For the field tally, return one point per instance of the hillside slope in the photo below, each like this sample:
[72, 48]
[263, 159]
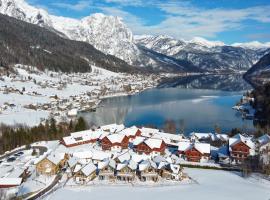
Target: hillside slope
[259, 73]
[29, 44]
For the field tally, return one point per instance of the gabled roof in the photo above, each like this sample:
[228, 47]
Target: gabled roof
[113, 128]
[88, 169]
[124, 157]
[240, 138]
[56, 158]
[138, 140]
[201, 135]
[83, 154]
[103, 164]
[129, 131]
[72, 161]
[116, 138]
[100, 155]
[146, 164]
[183, 146]
[120, 166]
[153, 143]
[132, 165]
[204, 148]
[148, 132]
[175, 168]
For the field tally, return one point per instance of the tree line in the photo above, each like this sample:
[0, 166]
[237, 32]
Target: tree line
[19, 135]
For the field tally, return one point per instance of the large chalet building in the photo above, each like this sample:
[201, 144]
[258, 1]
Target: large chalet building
[115, 142]
[240, 148]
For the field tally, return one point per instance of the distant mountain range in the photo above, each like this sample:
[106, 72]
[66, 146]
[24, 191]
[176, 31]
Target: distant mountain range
[111, 36]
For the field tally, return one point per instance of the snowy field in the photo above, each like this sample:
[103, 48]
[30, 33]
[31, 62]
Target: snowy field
[211, 184]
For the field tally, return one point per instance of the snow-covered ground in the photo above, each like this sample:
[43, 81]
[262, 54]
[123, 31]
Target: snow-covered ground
[28, 96]
[211, 184]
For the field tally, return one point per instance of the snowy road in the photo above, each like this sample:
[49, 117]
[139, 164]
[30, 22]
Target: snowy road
[212, 184]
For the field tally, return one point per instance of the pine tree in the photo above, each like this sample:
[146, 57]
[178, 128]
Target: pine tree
[81, 125]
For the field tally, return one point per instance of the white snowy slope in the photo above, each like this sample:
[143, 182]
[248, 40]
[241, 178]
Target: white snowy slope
[106, 33]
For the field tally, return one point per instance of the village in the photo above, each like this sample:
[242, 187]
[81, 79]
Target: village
[118, 155]
[27, 90]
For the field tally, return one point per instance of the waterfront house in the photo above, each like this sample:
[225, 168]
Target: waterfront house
[131, 133]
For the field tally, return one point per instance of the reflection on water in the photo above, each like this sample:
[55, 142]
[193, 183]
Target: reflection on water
[200, 109]
[232, 82]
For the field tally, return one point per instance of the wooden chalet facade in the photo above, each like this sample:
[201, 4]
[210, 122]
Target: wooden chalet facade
[193, 155]
[147, 148]
[126, 174]
[240, 151]
[51, 165]
[112, 142]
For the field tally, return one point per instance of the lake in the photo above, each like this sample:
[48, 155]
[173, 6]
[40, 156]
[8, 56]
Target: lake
[197, 103]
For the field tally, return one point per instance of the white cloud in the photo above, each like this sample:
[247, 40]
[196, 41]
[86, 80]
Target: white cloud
[79, 6]
[182, 20]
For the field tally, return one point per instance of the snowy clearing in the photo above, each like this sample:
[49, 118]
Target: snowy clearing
[212, 184]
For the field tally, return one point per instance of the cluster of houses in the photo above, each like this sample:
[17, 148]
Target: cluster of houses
[57, 91]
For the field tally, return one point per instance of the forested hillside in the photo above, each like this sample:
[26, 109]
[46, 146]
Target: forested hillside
[29, 44]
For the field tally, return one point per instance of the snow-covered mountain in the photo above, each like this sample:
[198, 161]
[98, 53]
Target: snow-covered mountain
[160, 53]
[206, 55]
[106, 33]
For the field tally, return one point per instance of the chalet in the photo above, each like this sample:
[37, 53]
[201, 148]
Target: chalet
[106, 170]
[240, 148]
[150, 146]
[148, 171]
[115, 142]
[171, 140]
[131, 133]
[51, 164]
[126, 171]
[197, 152]
[170, 171]
[82, 137]
[86, 174]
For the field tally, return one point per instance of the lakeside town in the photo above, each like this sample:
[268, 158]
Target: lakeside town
[27, 90]
[118, 155]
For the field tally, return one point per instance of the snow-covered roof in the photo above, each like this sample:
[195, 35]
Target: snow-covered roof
[263, 139]
[132, 165]
[88, 169]
[240, 138]
[103, 164]
[100, 155]
[153, 143]
[83, 154]
[204, 148]
[16, 173]
[77, 168]
[167, 137]
[148, 132]
[56, 158]
[120, 166]
[116, 138]
[11, 181]
[129, 131]
[138, 140]
[72, 161]
[138, 158]
[159, 159]
[200, 135]
[175, 168]
[146, 164]
[124, 157]
[183, 146]
[112, 128]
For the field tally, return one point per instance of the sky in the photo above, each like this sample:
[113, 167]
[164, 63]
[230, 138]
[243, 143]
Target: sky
[229, 21]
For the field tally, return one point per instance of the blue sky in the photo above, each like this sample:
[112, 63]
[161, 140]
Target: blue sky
[225, 20]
